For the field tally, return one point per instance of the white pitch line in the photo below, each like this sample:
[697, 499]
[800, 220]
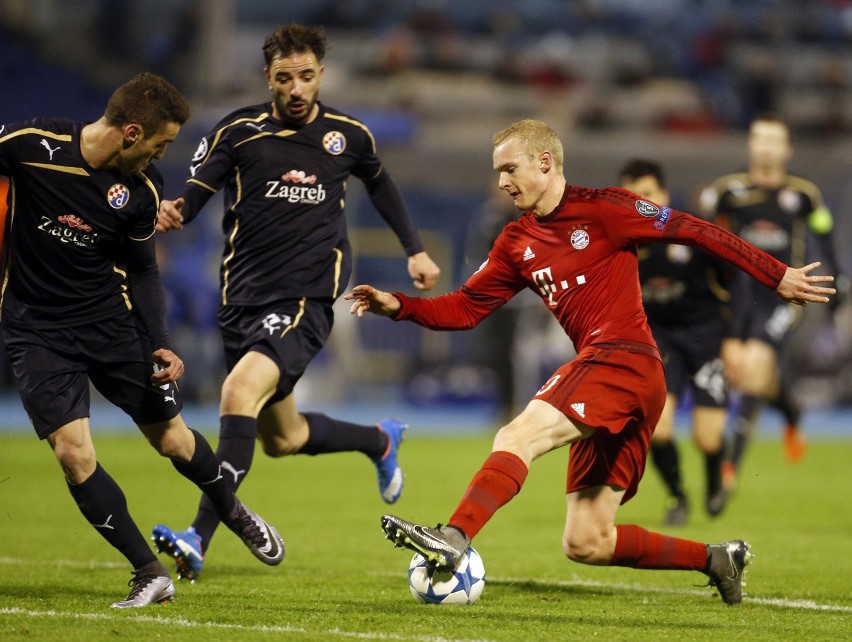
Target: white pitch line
[780, 602]
[808, 605]
[191, 624]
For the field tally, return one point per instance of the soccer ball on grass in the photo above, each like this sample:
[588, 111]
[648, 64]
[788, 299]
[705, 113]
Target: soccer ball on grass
[440, 586]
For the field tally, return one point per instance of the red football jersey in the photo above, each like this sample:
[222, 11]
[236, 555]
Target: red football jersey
[581, 260]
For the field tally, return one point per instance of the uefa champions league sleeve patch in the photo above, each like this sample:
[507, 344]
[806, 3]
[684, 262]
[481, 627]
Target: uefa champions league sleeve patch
[118, 195]
[662, 218]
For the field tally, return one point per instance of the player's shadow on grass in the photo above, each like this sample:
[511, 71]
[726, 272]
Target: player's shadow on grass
[47, 596]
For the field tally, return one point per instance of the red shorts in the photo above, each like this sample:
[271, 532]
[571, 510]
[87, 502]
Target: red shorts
[619, 389]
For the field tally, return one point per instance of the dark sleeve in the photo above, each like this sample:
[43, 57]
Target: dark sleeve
[146, 291]
[388, 201]
[195, 196]
[211, 166]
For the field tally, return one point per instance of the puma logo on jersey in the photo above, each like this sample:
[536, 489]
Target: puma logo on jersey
[258, 127]
[236, 473]
[49, 149]
[105, 524]
[171, 398]
[580, 409]
[528, 254]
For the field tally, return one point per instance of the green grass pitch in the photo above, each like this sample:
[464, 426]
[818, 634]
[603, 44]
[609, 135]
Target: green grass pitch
[342, 581]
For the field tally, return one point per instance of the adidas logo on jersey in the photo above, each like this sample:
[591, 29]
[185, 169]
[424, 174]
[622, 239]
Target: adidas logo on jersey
[528, 254]
[580, 409]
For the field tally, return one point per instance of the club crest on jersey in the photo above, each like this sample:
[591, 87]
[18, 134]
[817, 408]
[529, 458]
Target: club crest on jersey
[118, 195]
[647, 209]
[789, 200]
[334, 142]
[579, 239]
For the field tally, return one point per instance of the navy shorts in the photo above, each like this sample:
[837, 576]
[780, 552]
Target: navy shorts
[759, 314]
[691, 357]
[290, 332]
[771, 324]
[53, 368]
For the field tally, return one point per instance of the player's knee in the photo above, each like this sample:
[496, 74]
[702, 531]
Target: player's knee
[707, 443]
[580, 548]
[277, 446]
[586, 546]
[172, 446]
[241, 397]
[76, 462]
[510, 437]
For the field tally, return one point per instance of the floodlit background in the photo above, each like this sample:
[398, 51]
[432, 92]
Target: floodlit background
[674, 80]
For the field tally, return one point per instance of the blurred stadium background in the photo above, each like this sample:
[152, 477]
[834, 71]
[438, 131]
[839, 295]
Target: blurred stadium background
[675, 80]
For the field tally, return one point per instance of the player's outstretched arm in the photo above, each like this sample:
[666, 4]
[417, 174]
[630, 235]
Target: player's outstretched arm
[799, 288]
[169, 217]
[423, 270]
[366, 298]
[171, 367]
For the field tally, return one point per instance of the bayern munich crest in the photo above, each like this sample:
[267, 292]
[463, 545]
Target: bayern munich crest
[334, 142]
[118, 195]
[579, 239]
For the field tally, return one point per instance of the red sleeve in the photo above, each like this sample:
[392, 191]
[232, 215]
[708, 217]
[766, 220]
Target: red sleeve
[629, 219]
[494, 283]
[459, 310]
[691, 230]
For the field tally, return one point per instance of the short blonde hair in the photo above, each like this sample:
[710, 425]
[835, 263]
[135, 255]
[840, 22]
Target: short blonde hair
[535, 137]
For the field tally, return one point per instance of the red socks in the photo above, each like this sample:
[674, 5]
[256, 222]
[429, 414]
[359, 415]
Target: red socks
[498, 481]
[639, 548]
[502, 476]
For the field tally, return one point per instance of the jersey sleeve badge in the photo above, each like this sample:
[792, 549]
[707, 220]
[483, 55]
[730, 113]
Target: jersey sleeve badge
[647, 209]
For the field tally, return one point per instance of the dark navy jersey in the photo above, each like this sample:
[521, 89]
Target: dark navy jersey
[779, 221]
[284, 191]
[774, 220]
[68, 227]
[681, 285]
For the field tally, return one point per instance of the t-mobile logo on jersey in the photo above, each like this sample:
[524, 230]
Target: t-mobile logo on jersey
[547, 285]
[297, 187]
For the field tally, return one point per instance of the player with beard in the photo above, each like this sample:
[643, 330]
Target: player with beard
[82, 302]
[576, 248]
[779, 213]
[283, 166]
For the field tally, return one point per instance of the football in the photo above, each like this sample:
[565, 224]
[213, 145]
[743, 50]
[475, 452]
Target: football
[440, 586]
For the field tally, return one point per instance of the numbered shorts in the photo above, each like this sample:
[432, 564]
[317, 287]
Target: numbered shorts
[289, 332]
[691, 358]
[771, 324]
[619, 389]
[759, 314]
[53, 369]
